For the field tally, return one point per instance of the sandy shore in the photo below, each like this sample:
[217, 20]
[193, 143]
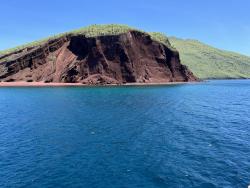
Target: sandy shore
[42, 84]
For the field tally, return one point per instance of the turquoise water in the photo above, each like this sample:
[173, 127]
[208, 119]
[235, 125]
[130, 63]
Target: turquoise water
[194, 135]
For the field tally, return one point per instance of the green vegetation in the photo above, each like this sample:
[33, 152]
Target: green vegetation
[205, 61]
[92, 31]
[209, 62]
[161, 38]
[102, 30]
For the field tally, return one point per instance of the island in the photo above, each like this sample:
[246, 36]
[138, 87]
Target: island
[96, 55]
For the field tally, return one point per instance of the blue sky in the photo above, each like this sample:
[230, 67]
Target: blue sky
[222, 23]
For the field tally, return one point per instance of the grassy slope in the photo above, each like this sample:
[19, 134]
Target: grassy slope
[208, 62]
[205, 61]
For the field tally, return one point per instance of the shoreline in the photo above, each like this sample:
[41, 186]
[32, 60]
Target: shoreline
[42, 84]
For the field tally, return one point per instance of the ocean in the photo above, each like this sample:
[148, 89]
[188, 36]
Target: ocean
[188, 135]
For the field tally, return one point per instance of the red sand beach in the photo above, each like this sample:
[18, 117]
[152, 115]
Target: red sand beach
[42, 84]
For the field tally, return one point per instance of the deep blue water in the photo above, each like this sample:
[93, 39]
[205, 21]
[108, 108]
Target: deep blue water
[194, 135]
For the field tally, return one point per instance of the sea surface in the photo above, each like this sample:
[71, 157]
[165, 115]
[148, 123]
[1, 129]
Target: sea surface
[190, 135]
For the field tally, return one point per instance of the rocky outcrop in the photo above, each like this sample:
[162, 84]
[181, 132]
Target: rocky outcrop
[132, 57]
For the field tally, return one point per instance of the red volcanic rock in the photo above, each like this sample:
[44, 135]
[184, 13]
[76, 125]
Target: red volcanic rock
[132, 57]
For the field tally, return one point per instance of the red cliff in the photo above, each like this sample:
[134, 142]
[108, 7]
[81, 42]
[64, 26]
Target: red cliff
[132, 57]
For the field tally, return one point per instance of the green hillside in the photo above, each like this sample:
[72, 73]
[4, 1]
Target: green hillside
[209, 62]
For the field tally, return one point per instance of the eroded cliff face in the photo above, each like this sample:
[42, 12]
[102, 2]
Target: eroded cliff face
[132, 57]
